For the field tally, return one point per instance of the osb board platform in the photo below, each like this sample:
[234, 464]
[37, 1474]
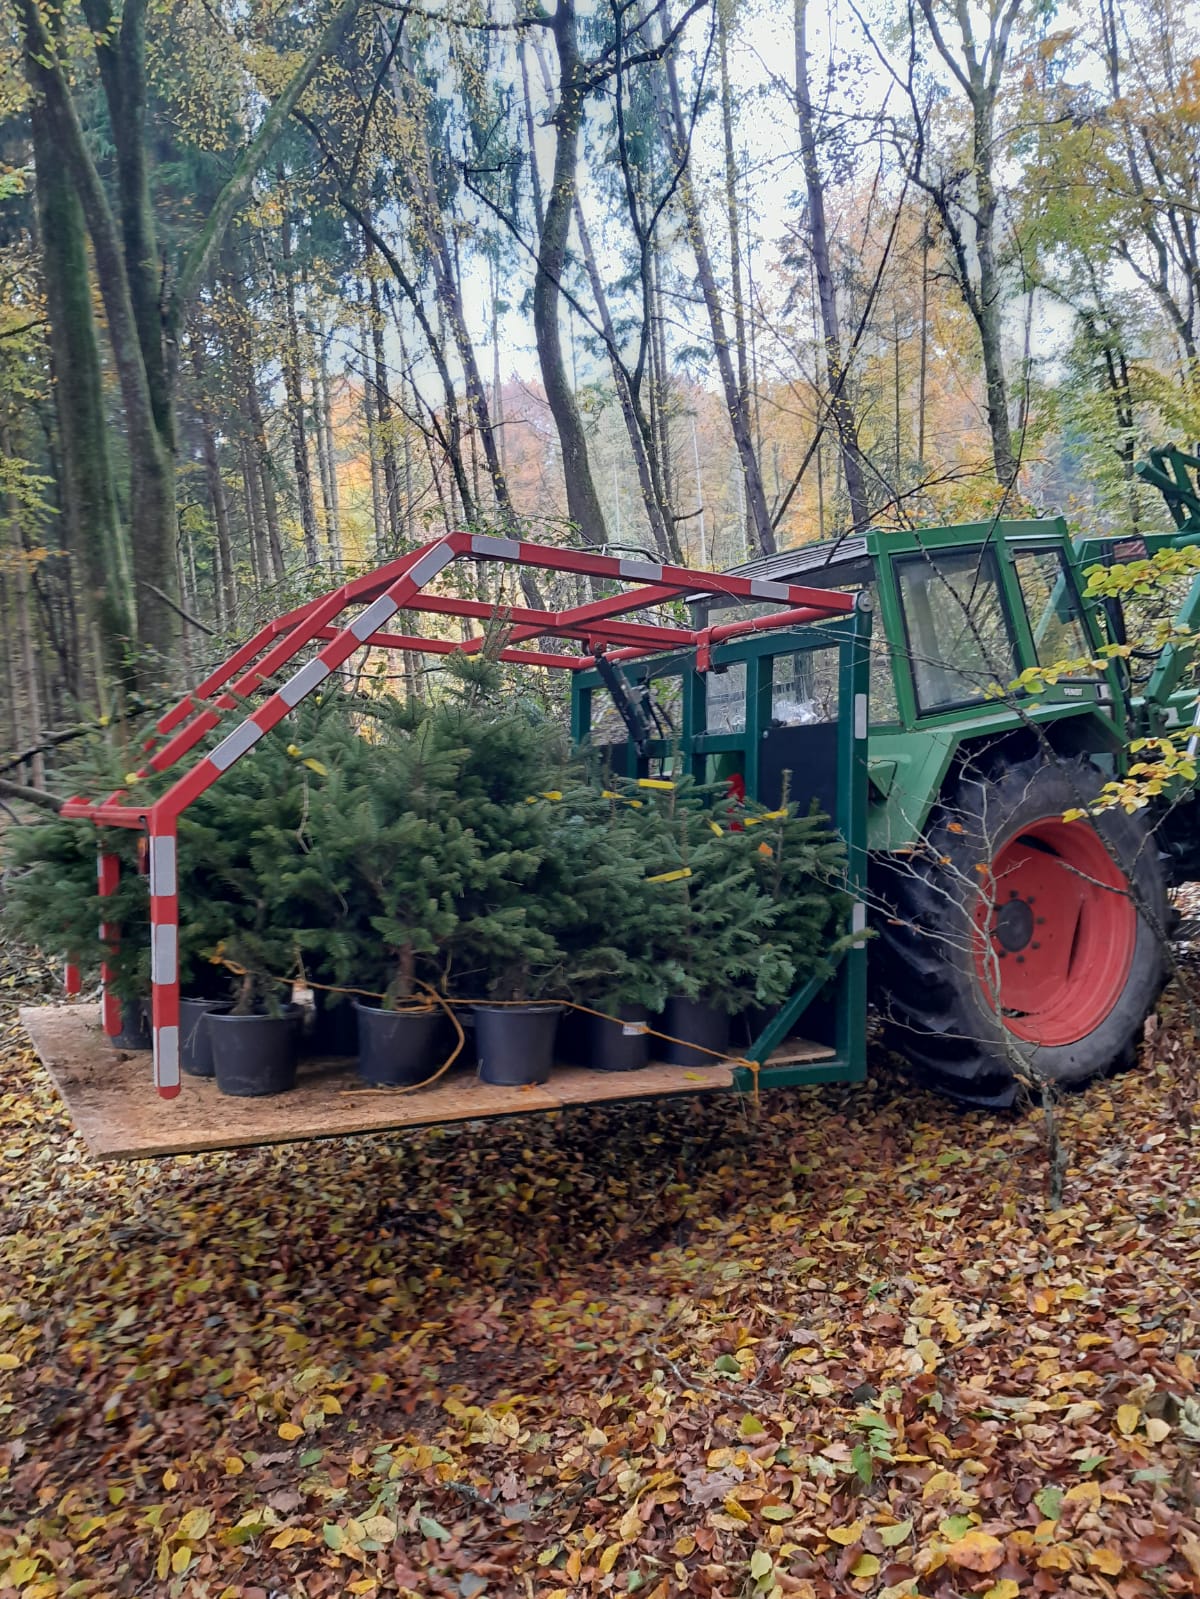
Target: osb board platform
[110, 1095]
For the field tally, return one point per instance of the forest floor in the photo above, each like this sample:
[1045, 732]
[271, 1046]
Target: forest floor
[845, 1348]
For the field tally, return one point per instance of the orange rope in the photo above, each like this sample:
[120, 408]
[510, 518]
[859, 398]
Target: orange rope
[448, 1004]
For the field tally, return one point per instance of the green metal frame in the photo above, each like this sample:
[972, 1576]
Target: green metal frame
[693, 747]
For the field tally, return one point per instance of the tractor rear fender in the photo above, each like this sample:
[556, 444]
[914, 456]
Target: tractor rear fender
[908, 771]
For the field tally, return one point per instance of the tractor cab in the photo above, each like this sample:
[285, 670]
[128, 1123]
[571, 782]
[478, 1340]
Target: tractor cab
[960, 613]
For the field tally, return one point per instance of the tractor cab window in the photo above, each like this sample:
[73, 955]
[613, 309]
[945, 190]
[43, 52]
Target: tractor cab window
[959, 639]
[1052, 606]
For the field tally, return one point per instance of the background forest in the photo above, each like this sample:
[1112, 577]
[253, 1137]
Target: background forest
[288, 290]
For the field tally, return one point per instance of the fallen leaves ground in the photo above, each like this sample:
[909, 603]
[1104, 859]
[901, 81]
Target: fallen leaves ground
[843, 1350]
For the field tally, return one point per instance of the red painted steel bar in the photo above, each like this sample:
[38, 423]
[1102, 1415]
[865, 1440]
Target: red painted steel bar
[443, 646]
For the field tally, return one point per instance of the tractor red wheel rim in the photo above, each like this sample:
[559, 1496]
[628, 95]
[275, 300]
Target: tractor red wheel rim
[1055, 930]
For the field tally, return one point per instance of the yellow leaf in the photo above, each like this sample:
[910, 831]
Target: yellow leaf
[363, 1585]
[195, 1524]
[865, 1566]
[162, 1567]
[289, 1536]
[289, 1432]
[1056, 1559]
[847, 1535]
[1006, 1588]
[235, 1465]
[1157, 1429]
[9, 1362]
[1128, 1417]
[976, 1551]
[21, 1571]
[381, 1528]
[181, 1559]
[609, 1558]
[1106, 1560]
[631, 1525]
[942, 1482]
[896, 1534]
[331, 1405]
[732, 1508]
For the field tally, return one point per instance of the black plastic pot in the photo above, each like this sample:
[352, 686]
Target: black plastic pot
[617, 1046]
[334, 1028]
[135, 1026]
[195, 1046]
[254, 1055]
[696, 1023]
[515, 1042]
[397, 1048]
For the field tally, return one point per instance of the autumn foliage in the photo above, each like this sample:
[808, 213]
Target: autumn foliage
[838, 1347]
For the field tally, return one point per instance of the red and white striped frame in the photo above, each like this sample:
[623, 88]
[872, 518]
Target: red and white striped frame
[164, 958]
[391, 588]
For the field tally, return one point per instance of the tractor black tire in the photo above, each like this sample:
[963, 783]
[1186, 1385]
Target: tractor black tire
[941, 936]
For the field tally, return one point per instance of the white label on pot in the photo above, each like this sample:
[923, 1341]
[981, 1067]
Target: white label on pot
[632, 1029]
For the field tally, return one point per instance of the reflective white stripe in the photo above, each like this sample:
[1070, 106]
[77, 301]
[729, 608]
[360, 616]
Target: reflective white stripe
[162, 866]
[304, 681]
[430, 564]
[860, 716]
[164, 947]
[646, 571]
[374, 616]
[768, 591]
[235, 746]
[858, 917]
[166, 1057]
[498, 549]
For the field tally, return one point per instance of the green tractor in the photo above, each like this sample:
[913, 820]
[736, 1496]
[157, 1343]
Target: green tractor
[1010, 943]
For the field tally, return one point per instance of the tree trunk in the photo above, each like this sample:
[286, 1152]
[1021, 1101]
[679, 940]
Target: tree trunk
[91, 524]
[374, 455]
[294, 390]
[835, 372]
[731, 208]
[979, 75]
[583, 502]
[25, 686]
[256, 542]
[383, 422]
[422, 190]
[739, 418]
[333, 509]
[216, 488]
[637, 425]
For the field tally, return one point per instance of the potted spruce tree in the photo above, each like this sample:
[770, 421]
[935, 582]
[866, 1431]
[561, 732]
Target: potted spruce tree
[51, 899]
[615, 919]
[393, 845]
[505, 950]
[717, 956]
[248, 903]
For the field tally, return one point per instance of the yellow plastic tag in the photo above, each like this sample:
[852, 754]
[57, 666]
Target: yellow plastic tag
[719, 831]
[671, 877]
[654, 782]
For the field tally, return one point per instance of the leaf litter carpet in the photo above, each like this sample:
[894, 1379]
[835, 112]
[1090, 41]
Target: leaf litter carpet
[659, 1350]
